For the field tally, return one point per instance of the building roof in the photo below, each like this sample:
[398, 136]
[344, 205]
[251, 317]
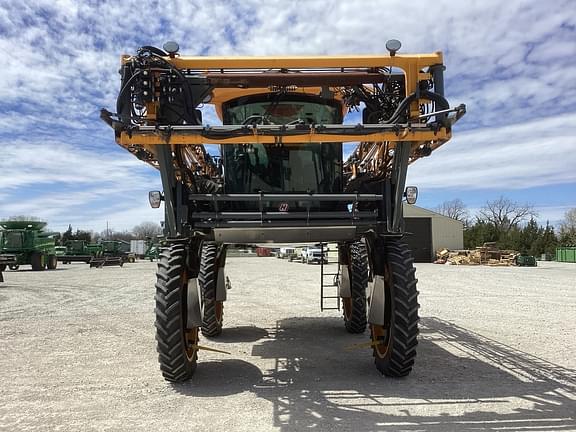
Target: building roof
[411, 210]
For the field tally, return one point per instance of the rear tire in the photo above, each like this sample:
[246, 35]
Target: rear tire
[355, 319]
[14, 267]
[2, 267]
[213, 315]
[177, 358]
[396, 341]
[52, 262]
[38, 261]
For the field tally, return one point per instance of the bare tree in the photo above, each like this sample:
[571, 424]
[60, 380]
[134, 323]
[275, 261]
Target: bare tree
[505, 214]
[111, 234]
[455, 209]
[569, 222]
[568, 227]
[147, 229]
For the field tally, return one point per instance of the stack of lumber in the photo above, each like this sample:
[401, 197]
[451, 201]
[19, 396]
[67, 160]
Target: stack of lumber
[487, 254]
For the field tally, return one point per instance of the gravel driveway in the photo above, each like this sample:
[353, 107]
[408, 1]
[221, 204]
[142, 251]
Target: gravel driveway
[496, 352]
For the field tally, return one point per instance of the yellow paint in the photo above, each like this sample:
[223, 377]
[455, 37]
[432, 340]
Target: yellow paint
[151, 138]
[401, 61]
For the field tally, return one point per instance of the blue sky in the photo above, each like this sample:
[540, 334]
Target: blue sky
[512, 63]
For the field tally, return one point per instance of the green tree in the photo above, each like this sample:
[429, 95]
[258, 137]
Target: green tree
[67, 235]
[78, 235]
[549, 240]
[529, 237]
[479, 233]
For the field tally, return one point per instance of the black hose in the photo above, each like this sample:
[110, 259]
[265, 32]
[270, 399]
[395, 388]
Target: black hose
[441, 102]
[119, 100]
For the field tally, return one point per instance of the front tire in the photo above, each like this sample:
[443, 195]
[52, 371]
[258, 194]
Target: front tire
[213, 310]
[176, 345]
[52, 262]
[395, 342]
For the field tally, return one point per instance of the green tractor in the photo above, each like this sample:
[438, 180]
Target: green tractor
[27, 241]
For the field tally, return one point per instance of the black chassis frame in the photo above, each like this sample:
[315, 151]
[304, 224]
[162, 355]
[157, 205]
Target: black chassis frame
[192, 214]
[184, 225]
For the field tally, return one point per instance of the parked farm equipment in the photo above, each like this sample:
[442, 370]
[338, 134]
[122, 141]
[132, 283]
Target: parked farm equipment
[29, 243]
[80, 251]
[114, 252]
[147, 249]
[153, 252]
[281, 178]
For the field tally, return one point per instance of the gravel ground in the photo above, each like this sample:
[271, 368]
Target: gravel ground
[496, 352]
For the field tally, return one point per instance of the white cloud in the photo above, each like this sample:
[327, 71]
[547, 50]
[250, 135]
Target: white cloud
[63, 184]
[537, 153]
[552, 214]
[26, 163]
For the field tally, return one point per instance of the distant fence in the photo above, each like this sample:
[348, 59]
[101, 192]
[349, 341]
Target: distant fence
[566, 254]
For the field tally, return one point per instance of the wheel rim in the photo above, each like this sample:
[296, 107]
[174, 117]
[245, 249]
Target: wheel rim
[219, 310]
[381, 335]
[191, 339]
[380, 340]
[347, 305]
[191, 336]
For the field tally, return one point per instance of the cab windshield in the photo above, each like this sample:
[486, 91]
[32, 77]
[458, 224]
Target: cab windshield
[293, 168]
[12, 240]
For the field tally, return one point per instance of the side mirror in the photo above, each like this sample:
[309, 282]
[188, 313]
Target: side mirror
[155, 197]
[411, 194]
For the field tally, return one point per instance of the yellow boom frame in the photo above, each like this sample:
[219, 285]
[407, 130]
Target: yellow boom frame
[223, 72]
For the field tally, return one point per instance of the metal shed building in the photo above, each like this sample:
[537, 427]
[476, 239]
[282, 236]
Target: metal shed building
[427, 231]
